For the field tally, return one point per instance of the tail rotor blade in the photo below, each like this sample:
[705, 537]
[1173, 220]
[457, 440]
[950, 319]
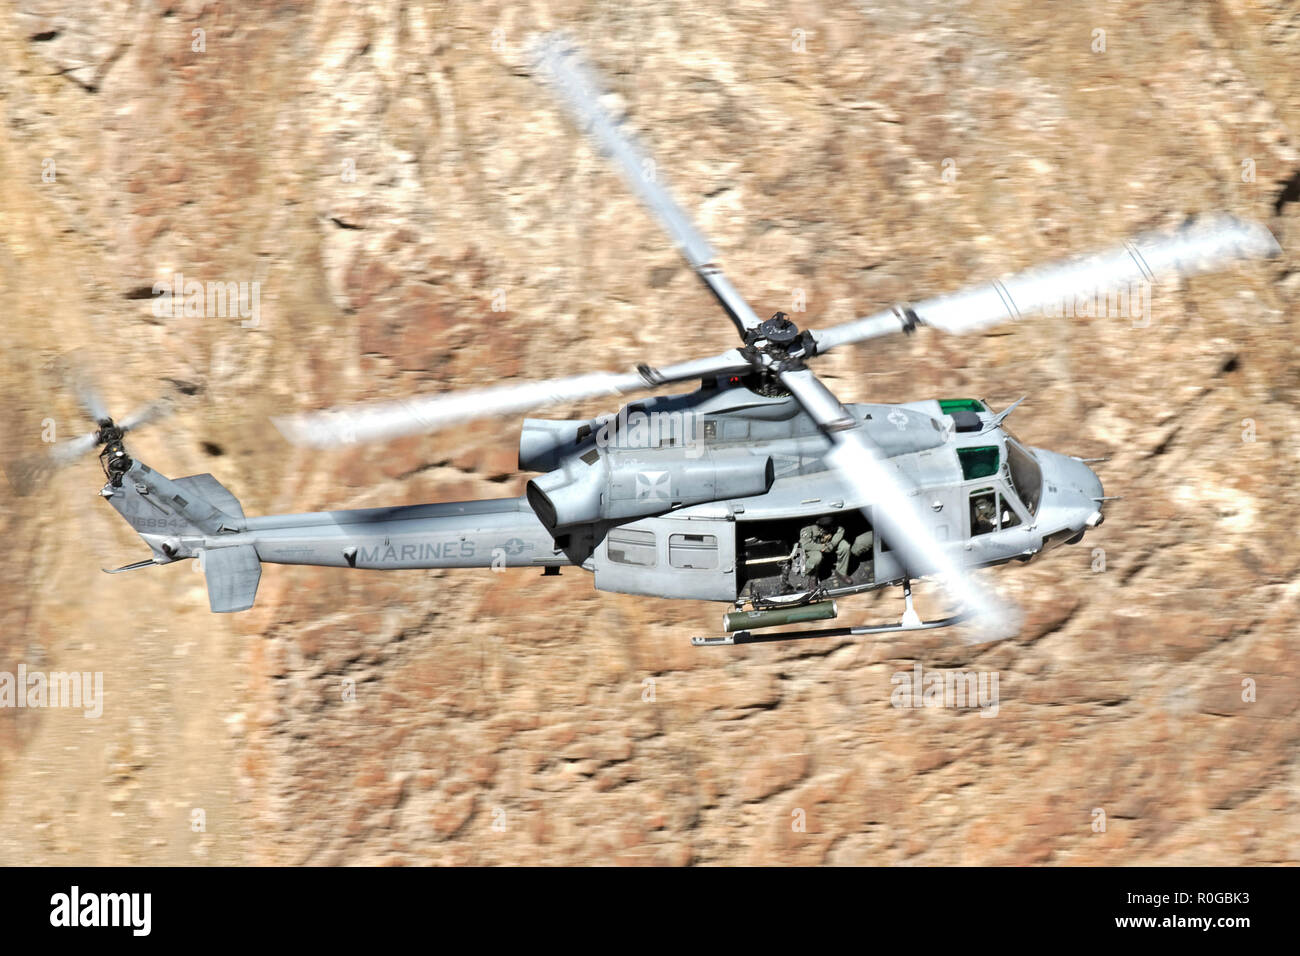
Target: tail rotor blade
[74, 370]
[92, 402]
[87, 393]
[146, 414]
[69, 451]
[26, 474]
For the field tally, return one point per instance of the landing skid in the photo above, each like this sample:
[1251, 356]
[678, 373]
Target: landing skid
[748, 637]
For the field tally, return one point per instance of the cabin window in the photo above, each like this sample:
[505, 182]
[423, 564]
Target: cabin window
[978, 462]
[950, 405]
[631, 546]
[698, 551]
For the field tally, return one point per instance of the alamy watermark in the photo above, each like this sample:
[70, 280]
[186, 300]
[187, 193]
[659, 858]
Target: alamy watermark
[954, 689]
[636, 429]
[183, 298]
[1131, 301]
[130, 910]
[82, 689]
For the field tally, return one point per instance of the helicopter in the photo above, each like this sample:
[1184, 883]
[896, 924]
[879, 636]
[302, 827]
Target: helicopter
[759, 489]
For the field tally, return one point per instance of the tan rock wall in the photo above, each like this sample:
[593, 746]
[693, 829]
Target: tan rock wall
[511, 719]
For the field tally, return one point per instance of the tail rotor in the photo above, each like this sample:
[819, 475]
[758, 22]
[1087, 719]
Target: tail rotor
[29, 473]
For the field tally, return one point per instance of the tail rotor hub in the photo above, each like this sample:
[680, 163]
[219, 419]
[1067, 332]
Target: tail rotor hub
[113, 457]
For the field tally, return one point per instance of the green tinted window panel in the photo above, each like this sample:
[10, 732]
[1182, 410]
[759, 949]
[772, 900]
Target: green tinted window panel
[950, 405]
[979, 462]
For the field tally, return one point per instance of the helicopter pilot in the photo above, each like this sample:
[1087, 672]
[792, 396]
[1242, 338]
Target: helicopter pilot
[984, 515]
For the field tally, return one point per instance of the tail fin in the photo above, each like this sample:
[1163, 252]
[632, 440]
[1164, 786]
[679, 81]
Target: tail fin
[233, 575]
[186, 518]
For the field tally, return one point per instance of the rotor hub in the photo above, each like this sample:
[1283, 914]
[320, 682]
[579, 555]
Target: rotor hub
[108, 433]
[779, 330]
[113, 457]
[777, 345]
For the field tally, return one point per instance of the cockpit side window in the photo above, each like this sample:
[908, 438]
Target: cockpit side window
[991, 511]
[983, 511]
[1007, 516]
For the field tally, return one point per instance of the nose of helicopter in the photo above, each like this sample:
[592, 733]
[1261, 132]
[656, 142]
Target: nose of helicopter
[1080, 479]
[1072, 493]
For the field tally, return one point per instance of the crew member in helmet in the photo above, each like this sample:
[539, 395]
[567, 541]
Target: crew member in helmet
[824, 538]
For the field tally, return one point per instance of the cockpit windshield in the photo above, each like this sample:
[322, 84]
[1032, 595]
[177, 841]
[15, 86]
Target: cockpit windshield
[1026, 475]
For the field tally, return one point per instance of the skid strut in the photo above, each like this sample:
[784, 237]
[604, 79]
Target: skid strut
[910, 617]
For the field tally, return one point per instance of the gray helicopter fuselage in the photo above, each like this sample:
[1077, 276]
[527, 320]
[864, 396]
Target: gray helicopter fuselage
[662, 498]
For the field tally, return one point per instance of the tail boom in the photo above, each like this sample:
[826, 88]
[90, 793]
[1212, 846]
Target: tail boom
[196, 517]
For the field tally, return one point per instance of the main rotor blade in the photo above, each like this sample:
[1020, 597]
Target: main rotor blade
[579, 90]
[412, 416]
[896, 513]
[1205, 245]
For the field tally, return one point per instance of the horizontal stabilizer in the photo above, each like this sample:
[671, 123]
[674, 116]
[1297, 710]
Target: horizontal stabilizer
[233, 575]
[214, 492]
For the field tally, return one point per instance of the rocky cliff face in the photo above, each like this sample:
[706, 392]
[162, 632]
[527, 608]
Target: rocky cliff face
[419, 216]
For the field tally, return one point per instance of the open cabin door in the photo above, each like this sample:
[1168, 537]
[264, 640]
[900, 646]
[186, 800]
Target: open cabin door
[691, 558]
